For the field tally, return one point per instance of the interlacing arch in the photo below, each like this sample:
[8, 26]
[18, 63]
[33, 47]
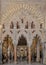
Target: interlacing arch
[14, 9]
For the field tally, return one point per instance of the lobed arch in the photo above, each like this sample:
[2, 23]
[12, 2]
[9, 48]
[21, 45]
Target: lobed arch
[25, 36]
[37, 32]
[18, 16]
[9, 36]
[39, 35]
[29, 42]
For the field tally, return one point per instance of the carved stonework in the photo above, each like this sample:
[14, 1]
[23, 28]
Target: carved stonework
[3, 26]
[32, 25]
[11, 25]
[7, 49]
[22, 20]
[28, 21]
[41, 25]
[26, 26]
[17, 25]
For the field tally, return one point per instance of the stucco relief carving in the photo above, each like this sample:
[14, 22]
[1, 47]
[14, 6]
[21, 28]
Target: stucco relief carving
[23, 20]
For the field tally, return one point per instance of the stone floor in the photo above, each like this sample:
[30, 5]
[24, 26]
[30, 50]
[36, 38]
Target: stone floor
[22, 63]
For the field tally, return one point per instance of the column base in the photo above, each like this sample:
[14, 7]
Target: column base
[15, 61]
[38, 59]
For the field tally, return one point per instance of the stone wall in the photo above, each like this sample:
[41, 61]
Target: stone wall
[28, 11]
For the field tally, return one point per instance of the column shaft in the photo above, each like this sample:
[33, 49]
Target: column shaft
[38, 53]
[15, 58]
[29, 55]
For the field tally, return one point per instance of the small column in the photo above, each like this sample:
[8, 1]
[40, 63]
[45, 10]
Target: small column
[43, 49]
[15, 55]
[44, 54]
[38, 53]
[29, 54]
[0, 52]
[0, 44]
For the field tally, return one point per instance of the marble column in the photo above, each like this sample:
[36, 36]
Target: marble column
[15, 56]
[29, 54]
[44, 54]
[0, 43]
[43, 51]
[0, 52]
[38, 53]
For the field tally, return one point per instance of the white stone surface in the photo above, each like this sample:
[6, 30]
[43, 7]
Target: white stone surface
[29, 10]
